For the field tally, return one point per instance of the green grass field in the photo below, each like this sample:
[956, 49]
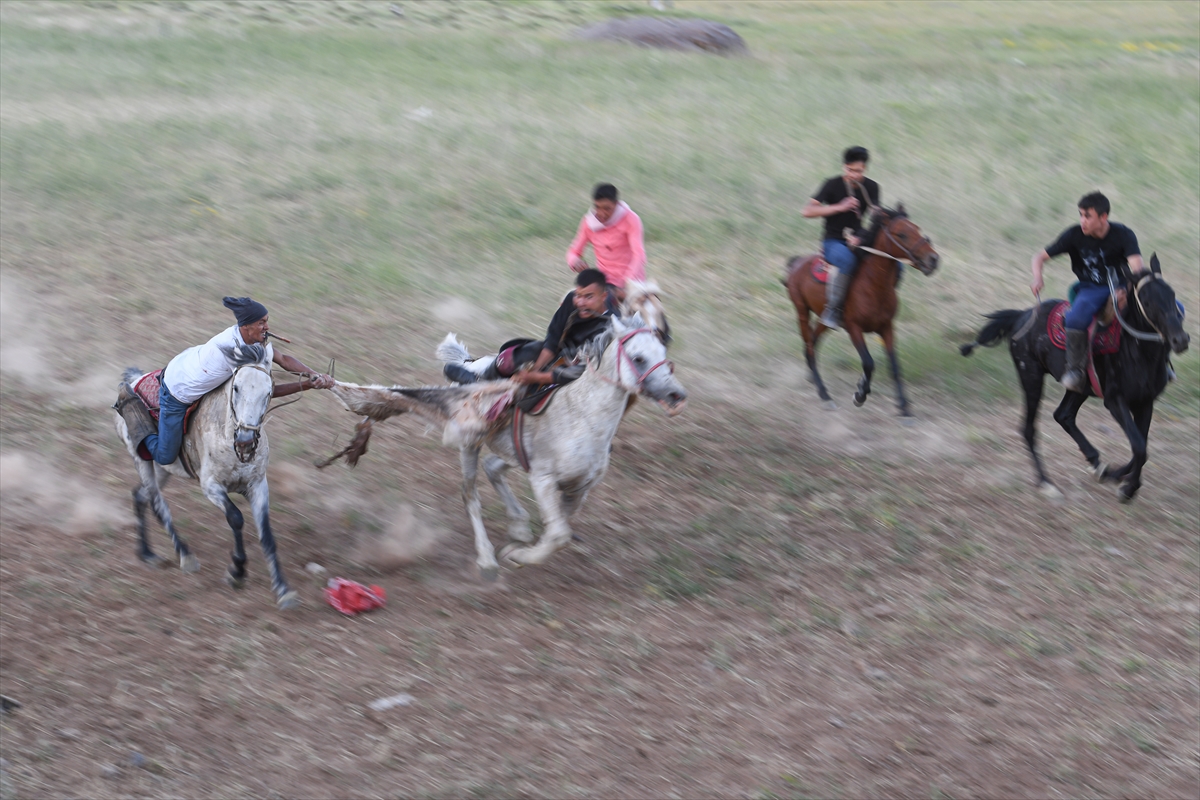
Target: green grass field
[343, 162]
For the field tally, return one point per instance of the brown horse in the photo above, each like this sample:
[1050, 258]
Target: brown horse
[871, 300]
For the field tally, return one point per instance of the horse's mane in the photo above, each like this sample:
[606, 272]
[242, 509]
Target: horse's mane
[593, 350]
[880, 218]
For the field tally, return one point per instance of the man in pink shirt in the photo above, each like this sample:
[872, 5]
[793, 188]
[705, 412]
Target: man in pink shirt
[615, 233]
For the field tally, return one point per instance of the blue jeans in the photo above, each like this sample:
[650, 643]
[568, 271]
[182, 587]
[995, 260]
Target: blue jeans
[164, 445]
[839, 254]
[1090, 298]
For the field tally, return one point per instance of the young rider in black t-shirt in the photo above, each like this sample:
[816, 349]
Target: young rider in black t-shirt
[842, 201]
[1095, 245]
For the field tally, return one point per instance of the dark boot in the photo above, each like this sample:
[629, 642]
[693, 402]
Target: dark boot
[136, 415]
[1075, 376]
[835, 300]
[459, 374]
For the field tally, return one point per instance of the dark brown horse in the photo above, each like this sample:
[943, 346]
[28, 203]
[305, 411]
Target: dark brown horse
[871, 300]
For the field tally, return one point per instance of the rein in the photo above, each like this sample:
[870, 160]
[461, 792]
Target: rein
[1143, 335]
[623, 356]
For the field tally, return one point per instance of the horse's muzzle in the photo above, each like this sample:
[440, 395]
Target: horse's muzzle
[674, 402]
[245, 444]
[1179, 342]
[929, 264]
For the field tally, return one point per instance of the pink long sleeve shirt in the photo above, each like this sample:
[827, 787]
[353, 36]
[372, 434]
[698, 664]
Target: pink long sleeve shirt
[620, 251]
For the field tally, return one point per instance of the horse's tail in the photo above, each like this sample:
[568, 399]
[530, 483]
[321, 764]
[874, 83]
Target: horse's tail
[131, 374]
[1001, 327]
[794, 263]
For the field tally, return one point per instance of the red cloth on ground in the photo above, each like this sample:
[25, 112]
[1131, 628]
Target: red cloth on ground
[349, 597]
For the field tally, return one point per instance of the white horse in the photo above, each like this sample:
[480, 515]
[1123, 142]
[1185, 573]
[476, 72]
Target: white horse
[567, 445]
[227, 446]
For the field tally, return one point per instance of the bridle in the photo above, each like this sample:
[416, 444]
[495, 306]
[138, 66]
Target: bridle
[910, 259]
[1157, 336]
[624, 357]
[247, 455]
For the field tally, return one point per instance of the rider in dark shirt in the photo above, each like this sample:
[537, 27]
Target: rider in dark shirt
[584, 313]
[842, 201]
[1095, 245]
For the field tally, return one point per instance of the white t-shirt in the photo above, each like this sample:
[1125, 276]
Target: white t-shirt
[198, 370]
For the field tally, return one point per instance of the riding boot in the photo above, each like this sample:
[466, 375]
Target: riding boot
[459, 374]
[835, 299]
[137, 417]
[1075, 376]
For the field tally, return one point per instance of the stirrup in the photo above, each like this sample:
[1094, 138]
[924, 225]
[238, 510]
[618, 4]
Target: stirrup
[832, 319]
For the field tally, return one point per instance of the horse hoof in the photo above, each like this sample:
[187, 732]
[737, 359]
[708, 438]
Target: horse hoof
[288, 600]
[489, 574]
[859, 399]
[189, 563]
[234, 581]
[1125, 494]
[830, 405]
[1101, 472]
[155, 561]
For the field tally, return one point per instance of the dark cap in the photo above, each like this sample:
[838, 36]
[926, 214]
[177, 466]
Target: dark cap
[246, 310]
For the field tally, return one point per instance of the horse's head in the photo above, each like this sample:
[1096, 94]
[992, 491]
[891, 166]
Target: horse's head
[249, 393]
[642, 298]
[643, 366]
[897, 235]
[1155, 299]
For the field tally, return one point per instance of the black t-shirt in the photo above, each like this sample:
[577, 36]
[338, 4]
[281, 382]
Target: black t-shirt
[568, 332]
[1090, 256]
[834, 191]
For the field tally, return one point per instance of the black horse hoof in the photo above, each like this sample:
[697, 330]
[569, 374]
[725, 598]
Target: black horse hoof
[859, 399]
[1126, 494]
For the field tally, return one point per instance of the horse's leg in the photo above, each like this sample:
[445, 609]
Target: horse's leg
[485, 554]
[260, 505]
[1032, 381]
[159, 477]
[556, 533]
[1134, 421]
[141, 498]
[868, 364]
[235, 575]
[810, 350]
[518, 517]
[889, 344]
[1065, 416]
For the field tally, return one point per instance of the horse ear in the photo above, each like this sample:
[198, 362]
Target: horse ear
[900, 210]
[1154, 265]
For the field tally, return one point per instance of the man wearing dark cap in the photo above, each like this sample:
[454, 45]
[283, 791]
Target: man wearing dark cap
[198, 370]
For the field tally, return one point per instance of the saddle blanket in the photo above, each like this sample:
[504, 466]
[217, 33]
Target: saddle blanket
[147, 388]
[820, 271]
[1105, 341]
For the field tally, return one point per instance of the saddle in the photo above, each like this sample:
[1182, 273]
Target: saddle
[532, 404]
[1103, 334]
[146, 388]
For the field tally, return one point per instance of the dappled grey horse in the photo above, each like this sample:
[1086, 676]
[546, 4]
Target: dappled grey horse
[227, 446]
[564, 448]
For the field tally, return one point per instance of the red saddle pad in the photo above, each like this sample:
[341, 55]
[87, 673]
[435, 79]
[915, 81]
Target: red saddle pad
[1105, 341]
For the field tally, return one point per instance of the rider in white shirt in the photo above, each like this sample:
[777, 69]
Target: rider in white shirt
[198, 370]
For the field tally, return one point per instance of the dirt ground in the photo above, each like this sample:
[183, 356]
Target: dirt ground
[770, 599]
